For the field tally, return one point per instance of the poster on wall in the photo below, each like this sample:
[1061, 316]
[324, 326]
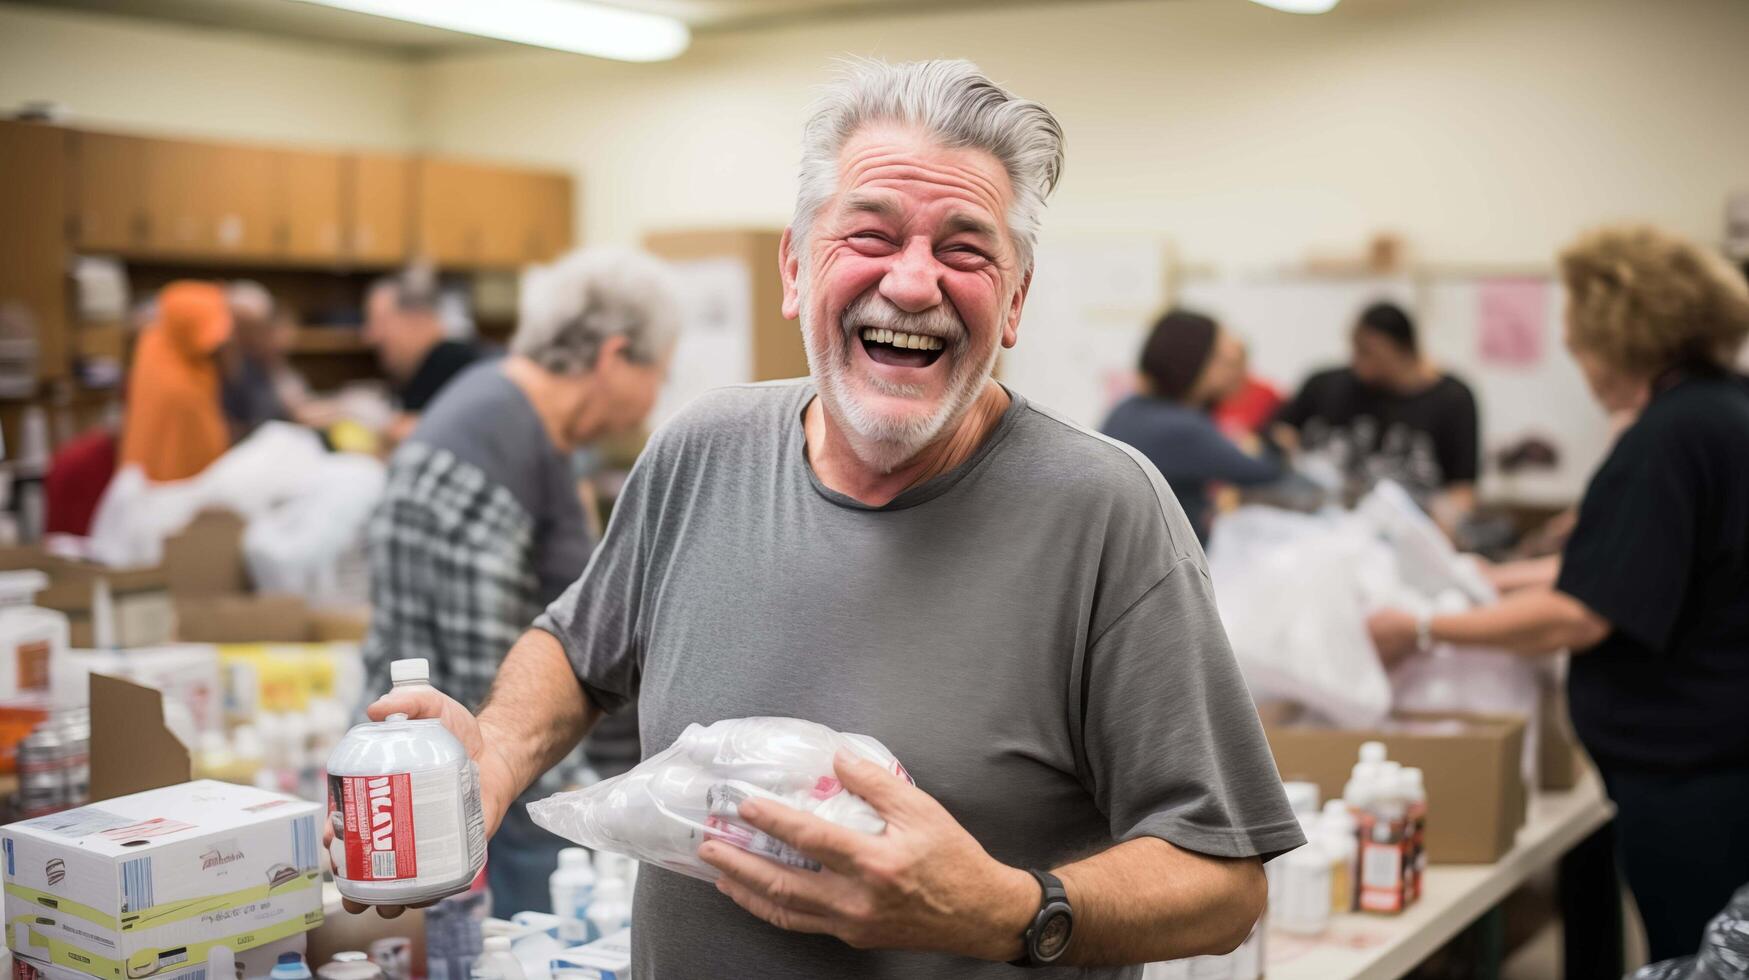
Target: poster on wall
[1512, 320]
[715, 346]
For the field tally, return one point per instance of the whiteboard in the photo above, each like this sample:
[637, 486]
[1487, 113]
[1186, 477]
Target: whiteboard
[1298, 325]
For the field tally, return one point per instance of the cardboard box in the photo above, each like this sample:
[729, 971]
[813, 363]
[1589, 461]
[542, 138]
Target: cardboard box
[339, 625]
[206, 558]
[257, 962]
[139, 598]
[131, 748]
[607, 958]
[145, 884]
[1560, 758]
[1476, 797]
[243, 619]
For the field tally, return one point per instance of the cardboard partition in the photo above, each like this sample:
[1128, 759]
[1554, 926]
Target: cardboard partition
[131, 750]
[1471, 764]
[206, 558]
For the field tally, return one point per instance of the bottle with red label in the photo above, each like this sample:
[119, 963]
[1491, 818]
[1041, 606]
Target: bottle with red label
[404, 801]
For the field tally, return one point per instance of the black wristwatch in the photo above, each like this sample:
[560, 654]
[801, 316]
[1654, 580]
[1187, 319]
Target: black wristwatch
[1048, 937]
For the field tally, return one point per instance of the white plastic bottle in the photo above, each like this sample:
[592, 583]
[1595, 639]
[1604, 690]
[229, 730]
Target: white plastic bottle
[404, 800]
[572, 886]
[1382, 836]
[1304, 908]
[610, 911]
[1336, 832]
[497, 962]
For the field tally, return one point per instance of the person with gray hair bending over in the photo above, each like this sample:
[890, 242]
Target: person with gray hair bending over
[481, 526]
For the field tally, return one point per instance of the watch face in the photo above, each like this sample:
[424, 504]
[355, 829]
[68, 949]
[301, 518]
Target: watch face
[1053, 937]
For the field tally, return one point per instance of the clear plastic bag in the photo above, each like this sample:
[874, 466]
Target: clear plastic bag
[674, 801]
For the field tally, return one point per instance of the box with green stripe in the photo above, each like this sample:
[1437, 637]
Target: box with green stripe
[137, 886]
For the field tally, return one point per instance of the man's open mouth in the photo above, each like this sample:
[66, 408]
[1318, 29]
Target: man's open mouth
[900, 349]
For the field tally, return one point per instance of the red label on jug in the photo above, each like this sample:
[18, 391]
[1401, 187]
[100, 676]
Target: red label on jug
[378, 812]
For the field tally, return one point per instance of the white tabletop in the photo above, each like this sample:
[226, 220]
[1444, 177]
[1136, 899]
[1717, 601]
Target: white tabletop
[1371, 947]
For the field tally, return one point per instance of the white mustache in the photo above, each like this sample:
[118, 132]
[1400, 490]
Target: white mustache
[875, 310]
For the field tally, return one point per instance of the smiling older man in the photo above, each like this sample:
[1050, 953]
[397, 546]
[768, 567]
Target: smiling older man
[901, 546]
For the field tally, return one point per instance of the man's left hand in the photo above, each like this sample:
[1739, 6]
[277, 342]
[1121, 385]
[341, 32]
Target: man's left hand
[924, 883]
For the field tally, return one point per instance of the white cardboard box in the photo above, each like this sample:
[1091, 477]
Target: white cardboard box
[607, 958]
[144, 885]
[254, 964]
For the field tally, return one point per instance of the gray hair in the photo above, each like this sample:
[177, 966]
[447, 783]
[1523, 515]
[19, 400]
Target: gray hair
[955, 103]
[415, 288]
[571, 307]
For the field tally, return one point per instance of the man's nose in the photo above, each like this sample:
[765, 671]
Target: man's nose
[913, 281]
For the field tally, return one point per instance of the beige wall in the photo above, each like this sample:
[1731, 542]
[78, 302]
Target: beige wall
[170, 79]
[1485, 130]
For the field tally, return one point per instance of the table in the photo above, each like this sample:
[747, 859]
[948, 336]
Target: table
[1367, 947]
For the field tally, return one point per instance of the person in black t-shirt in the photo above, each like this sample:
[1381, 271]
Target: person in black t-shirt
[1391, 415]
[402, 323]
[1652, 591]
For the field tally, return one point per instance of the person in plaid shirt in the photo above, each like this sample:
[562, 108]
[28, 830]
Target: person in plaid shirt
[480, 525]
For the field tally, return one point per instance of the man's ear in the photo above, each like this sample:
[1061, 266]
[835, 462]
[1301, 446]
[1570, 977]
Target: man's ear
[612, 348]
[1011, 329]
[789, 267]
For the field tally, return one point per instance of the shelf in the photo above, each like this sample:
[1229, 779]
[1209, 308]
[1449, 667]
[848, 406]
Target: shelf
[329, 340]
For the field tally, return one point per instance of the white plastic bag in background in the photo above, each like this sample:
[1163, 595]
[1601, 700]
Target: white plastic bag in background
[1292, 591]
[674, 801]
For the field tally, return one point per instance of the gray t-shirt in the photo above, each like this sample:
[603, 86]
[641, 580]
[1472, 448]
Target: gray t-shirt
[1032, 634]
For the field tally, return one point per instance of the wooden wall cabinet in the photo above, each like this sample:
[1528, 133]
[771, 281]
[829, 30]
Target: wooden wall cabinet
[185, 200]
[473, 214]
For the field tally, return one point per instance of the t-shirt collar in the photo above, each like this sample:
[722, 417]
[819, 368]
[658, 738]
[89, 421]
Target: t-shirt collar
[923, 492]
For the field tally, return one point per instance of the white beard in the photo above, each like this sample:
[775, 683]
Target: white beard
[885, 443]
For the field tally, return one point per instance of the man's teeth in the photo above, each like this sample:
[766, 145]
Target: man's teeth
[898, 338]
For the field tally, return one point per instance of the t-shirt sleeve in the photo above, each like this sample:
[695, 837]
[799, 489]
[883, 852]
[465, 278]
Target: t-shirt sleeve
[1173, 743]
[1215, 457]
[1629, 557]
[596, 619]
[1460, 450]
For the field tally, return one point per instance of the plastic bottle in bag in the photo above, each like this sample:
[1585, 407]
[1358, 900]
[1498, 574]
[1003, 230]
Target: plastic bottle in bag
[666, 808]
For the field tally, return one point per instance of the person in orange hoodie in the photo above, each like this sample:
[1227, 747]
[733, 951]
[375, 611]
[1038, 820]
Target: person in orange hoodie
[174, 426]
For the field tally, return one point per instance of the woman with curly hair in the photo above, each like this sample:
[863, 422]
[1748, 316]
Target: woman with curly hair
[1652, 592]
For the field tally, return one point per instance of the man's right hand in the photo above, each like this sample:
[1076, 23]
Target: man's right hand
[497, 783]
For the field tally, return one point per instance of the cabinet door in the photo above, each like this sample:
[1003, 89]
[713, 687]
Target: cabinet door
[242, 201]
[549, 231]
[449, 212]
[379, 191]
[106, 192]
[506, 207]
[33, 244]
[307, 222]
[179, 198]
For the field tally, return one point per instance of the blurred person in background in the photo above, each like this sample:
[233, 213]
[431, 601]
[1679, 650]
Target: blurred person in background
[1391, 414]
[1249, 408]
[1188, 365]
[173, 426]
[1651, 594]
[251, 360]
[481, 525]
[403, 323]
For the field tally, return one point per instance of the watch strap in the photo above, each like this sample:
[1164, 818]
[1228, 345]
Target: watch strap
[1052, 893]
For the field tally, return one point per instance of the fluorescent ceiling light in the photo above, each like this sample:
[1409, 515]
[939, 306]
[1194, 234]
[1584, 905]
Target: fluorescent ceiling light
[1300, 6]
[565, 25]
